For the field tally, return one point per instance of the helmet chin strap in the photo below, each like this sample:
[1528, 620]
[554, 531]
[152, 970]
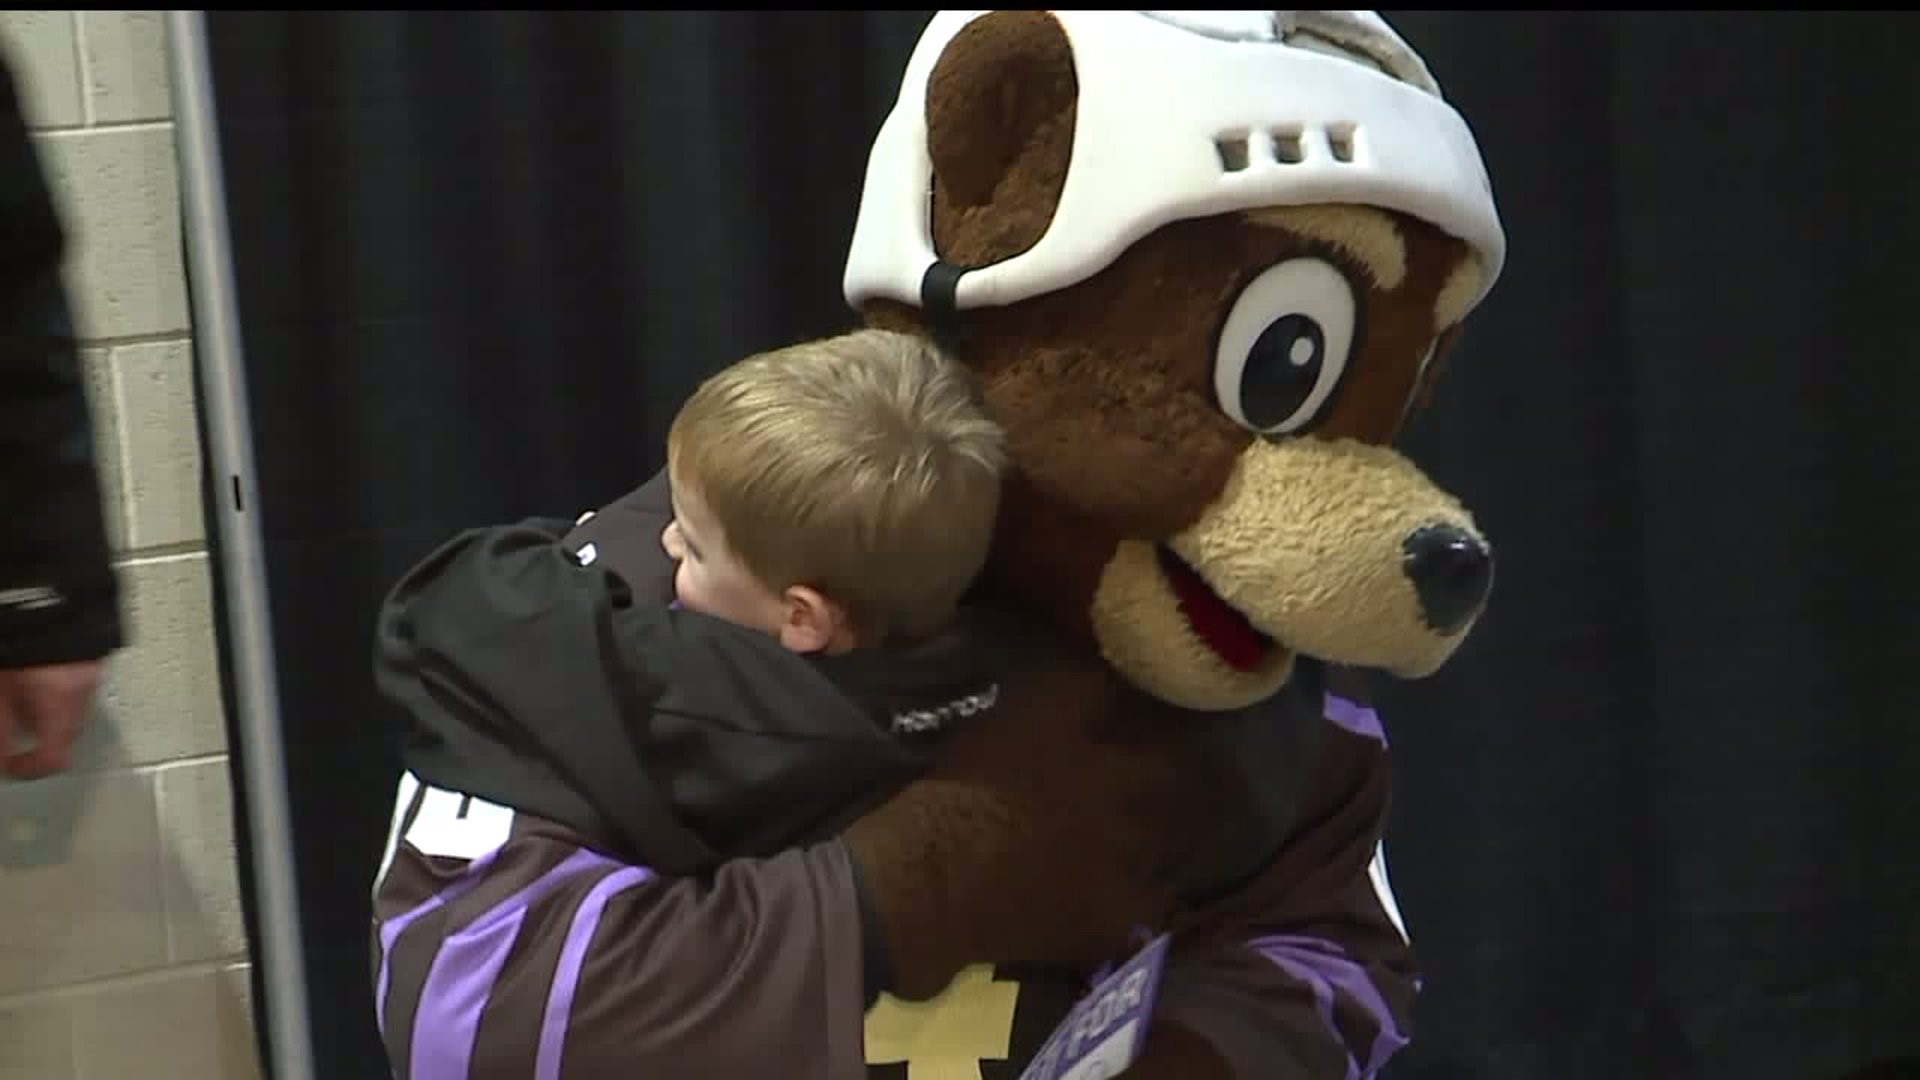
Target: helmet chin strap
[939, 290]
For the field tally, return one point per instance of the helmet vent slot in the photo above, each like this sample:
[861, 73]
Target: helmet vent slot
[1288, 149]
[1340, 142]
[1233, 152]
[1288, 145]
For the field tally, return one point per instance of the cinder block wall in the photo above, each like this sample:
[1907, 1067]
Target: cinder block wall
[122, 953]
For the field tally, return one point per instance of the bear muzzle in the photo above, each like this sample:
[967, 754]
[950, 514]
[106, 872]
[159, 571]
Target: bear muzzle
[1342, 551]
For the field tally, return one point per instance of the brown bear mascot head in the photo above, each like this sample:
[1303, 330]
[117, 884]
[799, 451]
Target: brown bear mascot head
[1205, 264]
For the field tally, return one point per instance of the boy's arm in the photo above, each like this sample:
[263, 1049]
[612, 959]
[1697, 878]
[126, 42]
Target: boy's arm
[624, 536]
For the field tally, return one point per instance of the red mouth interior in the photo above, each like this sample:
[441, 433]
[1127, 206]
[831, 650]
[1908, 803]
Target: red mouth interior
[1216, 622]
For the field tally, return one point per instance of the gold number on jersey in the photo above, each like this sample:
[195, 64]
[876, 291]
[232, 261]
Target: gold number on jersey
[945, 1037]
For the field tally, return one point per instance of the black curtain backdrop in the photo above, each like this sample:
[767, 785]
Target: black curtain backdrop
[1659, 817]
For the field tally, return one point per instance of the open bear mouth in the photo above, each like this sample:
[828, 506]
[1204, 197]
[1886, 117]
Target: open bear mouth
[1236, 641]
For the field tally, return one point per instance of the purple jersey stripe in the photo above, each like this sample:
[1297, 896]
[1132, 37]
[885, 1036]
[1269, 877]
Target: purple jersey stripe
[1327, 970]
[566, 980]
[391, 930]
[1356, 718]
[1322, 996]
[463, 973]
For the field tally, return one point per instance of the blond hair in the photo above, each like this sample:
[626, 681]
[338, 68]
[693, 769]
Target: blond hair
[861, 465]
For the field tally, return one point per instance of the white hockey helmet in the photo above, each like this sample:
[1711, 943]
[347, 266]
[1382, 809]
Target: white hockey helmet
[1186, 114]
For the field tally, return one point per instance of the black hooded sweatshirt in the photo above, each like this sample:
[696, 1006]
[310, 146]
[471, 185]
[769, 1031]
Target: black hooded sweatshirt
[547, 672]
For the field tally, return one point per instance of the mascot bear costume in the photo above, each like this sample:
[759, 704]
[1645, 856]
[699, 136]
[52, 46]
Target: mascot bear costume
[1205, 265]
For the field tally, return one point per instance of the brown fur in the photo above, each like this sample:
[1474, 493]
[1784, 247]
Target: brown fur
[1002, 97]
[1045, 835]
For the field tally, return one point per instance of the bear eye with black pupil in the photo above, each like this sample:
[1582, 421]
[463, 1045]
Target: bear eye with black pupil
[1283, 349]
[1282, 369]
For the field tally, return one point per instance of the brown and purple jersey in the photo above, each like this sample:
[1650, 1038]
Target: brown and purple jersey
[508, 947]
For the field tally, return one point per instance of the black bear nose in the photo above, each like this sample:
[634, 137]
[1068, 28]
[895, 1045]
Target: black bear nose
[1451, 572]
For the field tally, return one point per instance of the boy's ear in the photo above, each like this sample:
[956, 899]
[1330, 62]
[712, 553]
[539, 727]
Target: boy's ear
[813, 623]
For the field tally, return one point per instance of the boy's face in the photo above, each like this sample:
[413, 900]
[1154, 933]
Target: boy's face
[710, 579]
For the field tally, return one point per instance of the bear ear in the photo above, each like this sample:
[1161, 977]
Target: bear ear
[1000, 115]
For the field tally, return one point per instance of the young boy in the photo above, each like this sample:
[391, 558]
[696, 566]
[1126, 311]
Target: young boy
[632, 743]
[831, 502]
